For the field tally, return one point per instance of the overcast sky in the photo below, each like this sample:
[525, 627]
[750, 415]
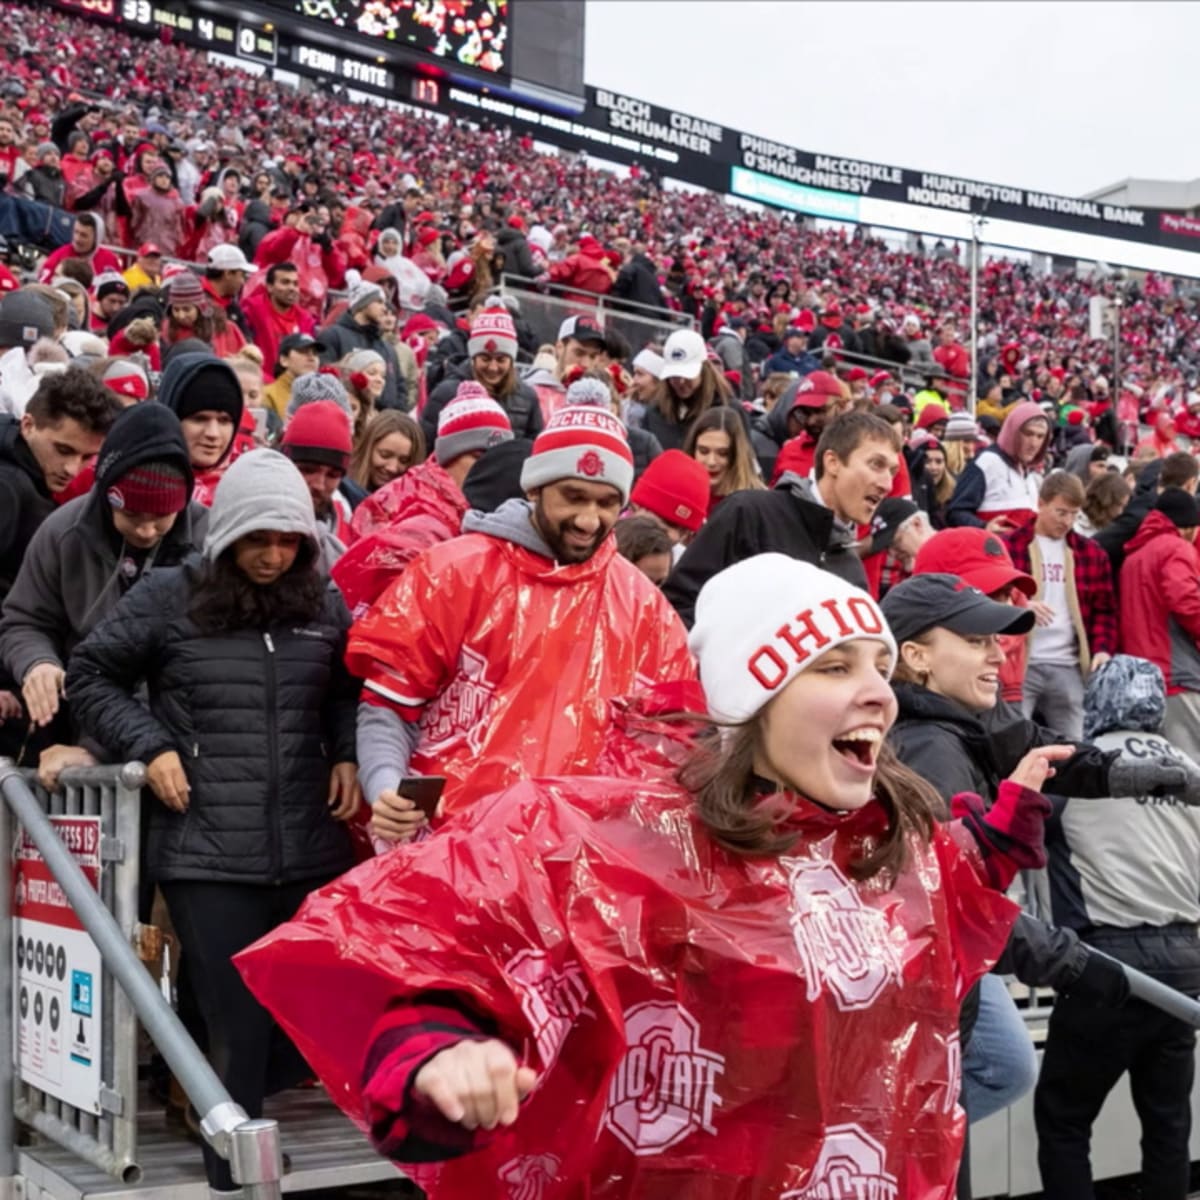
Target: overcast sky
[1059, 97]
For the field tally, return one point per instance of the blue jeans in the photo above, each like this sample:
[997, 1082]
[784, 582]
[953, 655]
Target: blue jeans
[999, 1064]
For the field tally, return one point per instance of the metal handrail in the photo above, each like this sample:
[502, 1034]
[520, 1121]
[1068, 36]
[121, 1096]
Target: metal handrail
[597, 300]
[251, 1147]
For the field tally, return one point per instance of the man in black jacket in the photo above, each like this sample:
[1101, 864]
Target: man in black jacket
[1179, 470]
[87, 554]
[856, 461]
[360, 328]
[58, 436]
[637, 280]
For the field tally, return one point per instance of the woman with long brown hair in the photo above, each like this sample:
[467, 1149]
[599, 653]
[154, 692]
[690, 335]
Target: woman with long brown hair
[391, 443]
[719, 442]
[733, 962]
[689, 385]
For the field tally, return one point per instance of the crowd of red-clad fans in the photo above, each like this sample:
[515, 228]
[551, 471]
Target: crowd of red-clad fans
[254, 339]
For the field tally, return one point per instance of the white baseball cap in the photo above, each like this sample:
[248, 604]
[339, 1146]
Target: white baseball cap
[683, 355]
[228, 258]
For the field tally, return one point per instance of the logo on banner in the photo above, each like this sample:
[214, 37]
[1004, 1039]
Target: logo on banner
[664, 1088]
[550, 1000]
[850, 1166]
[529, 1176]
[843, 944]
[463, 709]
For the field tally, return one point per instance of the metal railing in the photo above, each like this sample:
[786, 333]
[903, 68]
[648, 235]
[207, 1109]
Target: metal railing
[251, 1147]
[546, 305]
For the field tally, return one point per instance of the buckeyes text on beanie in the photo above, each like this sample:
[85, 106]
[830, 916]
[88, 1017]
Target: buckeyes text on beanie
[492, 332]
[581, 442]
[762, 621]
[471, 421]
[262, 490]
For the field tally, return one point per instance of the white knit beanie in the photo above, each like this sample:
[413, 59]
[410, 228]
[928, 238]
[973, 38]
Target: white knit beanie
[760, 622]
[262, 490]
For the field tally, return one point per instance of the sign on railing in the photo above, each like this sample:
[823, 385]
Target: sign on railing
[57, 972]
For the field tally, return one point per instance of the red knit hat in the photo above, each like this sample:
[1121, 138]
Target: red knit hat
[932, 414]
[675, 488]
[152, 489]
[471, 421]
[581, 442]
[319, 433]
[806, 322]
[493, 332]
[127, 379]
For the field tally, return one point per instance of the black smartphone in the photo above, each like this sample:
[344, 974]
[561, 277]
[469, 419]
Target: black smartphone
[424, 790]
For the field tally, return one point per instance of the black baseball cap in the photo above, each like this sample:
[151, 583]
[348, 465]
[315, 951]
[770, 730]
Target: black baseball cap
[889, 516]
[299, 341]
[947, 602]
[582, 329]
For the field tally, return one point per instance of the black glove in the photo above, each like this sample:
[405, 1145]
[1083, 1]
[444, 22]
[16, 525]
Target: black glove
[1102, 983]
[1155, 777]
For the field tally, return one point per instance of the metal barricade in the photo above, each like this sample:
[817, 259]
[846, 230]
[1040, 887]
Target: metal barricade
[128, 993]
[107, 1138]
[546, 306]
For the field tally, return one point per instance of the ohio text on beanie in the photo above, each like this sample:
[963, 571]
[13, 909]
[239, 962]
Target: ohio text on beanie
[762, 621]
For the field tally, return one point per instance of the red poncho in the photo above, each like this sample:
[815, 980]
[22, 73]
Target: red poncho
[705, 1026]
[511, 680]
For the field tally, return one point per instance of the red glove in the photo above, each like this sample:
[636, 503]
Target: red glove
[1011, 835]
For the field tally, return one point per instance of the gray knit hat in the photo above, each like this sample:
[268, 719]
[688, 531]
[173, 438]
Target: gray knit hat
[318, 385]
[360, 360]
[362, 294]
[262, 490]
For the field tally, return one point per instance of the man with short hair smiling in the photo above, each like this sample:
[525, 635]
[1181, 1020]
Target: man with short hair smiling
[493, 657]
[857, 458]
[273, 312]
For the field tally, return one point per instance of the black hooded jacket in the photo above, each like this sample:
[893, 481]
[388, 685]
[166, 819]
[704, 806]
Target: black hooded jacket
[25, 500]
[189, 376]
[513, 249]
[957, 751]
[77, 566]
[784, 520]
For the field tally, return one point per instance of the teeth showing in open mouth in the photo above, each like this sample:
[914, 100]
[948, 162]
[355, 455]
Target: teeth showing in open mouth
[859, 743]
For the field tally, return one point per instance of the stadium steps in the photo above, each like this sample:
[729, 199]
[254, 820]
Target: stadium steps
[325, 1149]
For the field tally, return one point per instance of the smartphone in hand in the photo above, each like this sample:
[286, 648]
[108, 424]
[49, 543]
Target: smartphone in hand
[424, 791]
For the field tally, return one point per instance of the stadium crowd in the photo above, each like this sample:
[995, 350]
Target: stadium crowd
[269, 351]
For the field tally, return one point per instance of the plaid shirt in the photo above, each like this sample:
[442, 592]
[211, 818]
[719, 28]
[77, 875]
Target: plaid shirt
[1093, 584]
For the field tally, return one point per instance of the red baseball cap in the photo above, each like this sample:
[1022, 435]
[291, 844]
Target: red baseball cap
[148, 249]
[975, 555]
[816, 390]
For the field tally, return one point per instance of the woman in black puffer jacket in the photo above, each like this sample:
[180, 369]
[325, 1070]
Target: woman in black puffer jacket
[248, 741]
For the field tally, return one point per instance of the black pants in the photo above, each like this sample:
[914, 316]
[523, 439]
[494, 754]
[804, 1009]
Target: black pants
[1087, 1051]
[250, 1053]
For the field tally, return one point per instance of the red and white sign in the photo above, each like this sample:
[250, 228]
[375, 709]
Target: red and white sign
[57, 972]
